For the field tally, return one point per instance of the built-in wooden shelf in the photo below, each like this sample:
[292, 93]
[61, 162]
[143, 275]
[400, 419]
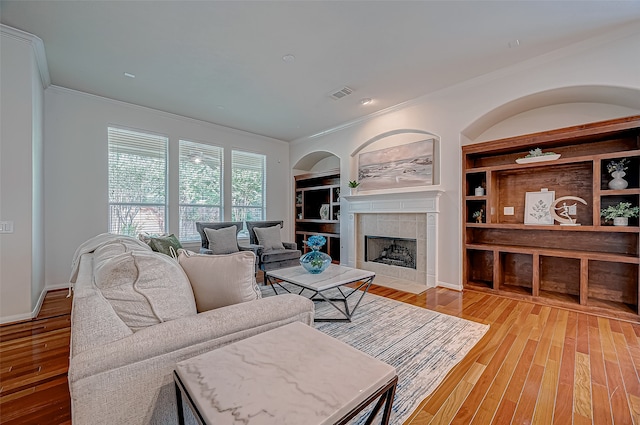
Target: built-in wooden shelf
[594, 266]
[312, 191]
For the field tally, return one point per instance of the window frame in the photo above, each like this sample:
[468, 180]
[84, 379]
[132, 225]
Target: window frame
[219, 151]
[263, 206]
[162, 206]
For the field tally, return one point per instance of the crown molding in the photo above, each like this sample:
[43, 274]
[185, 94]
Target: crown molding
[38, 50]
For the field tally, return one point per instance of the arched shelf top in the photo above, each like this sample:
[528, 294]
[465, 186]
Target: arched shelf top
[308, 161]
[613, 95]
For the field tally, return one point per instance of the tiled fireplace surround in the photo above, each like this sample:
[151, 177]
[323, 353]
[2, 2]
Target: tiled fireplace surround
[405, 215]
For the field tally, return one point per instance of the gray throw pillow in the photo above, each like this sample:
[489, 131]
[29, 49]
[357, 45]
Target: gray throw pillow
[269, 237]
[223, 241]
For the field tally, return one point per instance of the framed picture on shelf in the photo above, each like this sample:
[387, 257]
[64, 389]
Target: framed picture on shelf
[537, 207]
[324, 212]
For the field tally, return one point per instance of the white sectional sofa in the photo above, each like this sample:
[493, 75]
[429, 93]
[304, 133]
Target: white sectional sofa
[120, 375]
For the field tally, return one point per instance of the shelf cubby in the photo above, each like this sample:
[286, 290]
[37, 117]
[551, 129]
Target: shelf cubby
[517, 272]
[615, 284]
[480, 267]
[631, 173]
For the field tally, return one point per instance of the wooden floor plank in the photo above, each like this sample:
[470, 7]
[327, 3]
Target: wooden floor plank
[529, 397]
[535, 364]
[563, 409]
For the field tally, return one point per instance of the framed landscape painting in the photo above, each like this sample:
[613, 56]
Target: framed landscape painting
[405, 165]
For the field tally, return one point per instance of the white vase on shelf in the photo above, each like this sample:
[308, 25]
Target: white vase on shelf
[618, 183]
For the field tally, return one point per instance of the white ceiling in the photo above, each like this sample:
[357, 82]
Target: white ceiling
[221, 62]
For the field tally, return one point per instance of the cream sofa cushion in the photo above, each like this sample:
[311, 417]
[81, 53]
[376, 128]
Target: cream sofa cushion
[145, 288]
[220, 280]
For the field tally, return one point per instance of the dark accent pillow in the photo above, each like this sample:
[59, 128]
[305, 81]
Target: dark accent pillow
[163, 244]
[223, 241]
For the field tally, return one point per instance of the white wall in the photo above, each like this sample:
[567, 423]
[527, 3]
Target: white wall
[76, 201]
[609, 63]
[21, 184]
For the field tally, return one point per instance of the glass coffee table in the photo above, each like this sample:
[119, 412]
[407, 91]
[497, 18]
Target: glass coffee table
[330, 286]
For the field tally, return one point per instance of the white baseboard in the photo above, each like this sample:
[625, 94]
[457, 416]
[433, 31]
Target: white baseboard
[57, 286]
[26, 316]
[448, 285]
[16, 318]
[36, 310]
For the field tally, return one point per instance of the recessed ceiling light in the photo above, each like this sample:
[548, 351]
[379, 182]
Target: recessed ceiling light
[365, 101]
[289, 58]
[128, 74]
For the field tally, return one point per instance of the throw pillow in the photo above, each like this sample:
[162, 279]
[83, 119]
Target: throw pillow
[163, 244]
[145, 288]
[269, 237]
[220, 280]
[222, 241]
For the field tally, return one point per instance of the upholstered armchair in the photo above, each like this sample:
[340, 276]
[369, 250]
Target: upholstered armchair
[271, 252]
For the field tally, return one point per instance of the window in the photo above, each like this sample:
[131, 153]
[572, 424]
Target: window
[137, 182]
[247, 186]
[200, 186]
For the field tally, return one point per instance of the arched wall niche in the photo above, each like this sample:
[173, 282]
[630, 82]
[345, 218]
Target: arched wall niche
[398, 137]
[552, 109]
[317, 161]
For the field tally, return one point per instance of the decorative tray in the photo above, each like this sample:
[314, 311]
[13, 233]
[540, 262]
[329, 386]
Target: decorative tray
[542, 158]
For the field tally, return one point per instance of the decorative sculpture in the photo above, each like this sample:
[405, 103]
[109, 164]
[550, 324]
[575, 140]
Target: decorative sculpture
[564, 217]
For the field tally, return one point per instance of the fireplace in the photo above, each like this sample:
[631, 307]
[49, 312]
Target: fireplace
[399, 252]
[411, 214]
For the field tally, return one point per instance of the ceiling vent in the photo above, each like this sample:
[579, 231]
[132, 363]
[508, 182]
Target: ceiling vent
[340, 93]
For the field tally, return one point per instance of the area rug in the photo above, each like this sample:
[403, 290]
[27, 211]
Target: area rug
[422, 345]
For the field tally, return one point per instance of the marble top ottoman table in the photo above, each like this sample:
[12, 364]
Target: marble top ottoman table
[291, 375]
[331, 281]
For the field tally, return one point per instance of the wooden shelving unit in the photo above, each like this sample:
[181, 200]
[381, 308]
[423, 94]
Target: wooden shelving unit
[312, 191]
[594, 266]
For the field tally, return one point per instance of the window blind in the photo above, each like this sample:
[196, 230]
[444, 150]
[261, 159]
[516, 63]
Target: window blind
[137, 182]
[200, 186]
[248, 177]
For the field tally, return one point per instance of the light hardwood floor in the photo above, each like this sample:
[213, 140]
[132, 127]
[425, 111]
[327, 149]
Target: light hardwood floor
[536, 364]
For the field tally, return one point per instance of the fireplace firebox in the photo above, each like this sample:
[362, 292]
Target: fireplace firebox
[400, 252]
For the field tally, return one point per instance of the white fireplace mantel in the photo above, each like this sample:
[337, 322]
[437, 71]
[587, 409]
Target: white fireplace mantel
[409, 202]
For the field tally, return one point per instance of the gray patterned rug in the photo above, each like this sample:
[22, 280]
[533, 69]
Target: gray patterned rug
[421, 344]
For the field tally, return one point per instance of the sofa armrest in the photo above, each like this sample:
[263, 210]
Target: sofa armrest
[290, 245]
[193, 335]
